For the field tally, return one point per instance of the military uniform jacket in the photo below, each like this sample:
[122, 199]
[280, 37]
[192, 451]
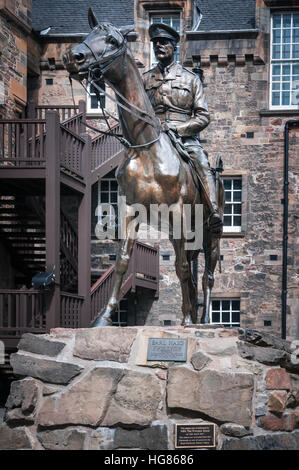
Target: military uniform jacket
[177, 97]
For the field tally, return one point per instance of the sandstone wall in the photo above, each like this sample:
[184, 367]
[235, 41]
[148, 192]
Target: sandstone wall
[94, 389]
[13, 71]
[237, 94]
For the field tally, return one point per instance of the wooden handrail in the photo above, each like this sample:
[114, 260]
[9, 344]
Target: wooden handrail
[72, 118]
[52, 106]
[101, 279]
[101, 136]
[64, 111]
[22, 121]
[20, 291]
[76, 136]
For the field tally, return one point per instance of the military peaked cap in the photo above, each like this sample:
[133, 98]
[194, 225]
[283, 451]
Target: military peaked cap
[160, 30]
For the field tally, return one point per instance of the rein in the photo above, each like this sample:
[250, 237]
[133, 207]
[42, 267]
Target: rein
[143, 117]
[98, 69]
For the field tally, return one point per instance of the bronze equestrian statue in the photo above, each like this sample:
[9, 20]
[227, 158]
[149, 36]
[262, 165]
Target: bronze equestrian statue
[153, 171]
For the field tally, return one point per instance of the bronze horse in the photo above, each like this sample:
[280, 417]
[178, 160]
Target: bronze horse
[152, 172]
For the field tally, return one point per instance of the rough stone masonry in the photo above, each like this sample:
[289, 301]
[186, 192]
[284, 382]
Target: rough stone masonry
[94, 389]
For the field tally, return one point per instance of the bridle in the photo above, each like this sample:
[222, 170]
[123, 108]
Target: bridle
[95, 73]
[100, 64]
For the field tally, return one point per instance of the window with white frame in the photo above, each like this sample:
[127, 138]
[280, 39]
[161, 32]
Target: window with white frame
[108, 194]
[284, 61]
[232, 221]
[172, 20]
[93, 104]
[226, 312]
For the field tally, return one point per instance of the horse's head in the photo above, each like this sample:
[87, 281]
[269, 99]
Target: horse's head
[99, 49]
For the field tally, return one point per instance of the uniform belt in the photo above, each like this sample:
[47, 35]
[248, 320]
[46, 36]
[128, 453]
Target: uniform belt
[171, 116]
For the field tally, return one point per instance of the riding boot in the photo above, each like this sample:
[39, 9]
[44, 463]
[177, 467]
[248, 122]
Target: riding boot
[202, 166]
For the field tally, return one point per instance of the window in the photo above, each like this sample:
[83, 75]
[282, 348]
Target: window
[284, 61]
[119, 316]
[93, 105]
[173, 21]
[233, 204]
[108, 194]
[226, 312]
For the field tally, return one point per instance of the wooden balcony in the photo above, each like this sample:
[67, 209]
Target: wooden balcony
[26, 150]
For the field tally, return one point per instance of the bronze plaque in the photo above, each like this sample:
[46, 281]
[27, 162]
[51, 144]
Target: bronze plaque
[194, 436]
[167, 349]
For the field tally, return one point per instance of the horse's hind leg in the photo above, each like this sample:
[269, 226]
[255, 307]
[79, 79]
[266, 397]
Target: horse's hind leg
[189, 292]
[193, 289]
[210, 244]
[121, 266]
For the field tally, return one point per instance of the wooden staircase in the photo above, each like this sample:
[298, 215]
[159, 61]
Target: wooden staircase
[22, 231]
[143, 271]
[23, 234]
[41, 158]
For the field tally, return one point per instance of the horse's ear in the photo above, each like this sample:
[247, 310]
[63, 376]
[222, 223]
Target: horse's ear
[128, 32]
[92, 19]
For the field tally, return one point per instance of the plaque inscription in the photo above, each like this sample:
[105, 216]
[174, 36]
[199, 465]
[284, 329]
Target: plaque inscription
[167, 349]
[191, 436]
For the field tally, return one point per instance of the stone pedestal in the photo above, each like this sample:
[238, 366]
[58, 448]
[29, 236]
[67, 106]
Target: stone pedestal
[95, 389]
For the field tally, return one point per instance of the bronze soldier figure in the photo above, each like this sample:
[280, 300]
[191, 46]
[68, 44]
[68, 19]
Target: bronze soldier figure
[177, 97]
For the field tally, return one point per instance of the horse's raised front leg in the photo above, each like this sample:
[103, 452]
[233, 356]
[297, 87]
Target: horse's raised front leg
[184, 273]
[210, 244]
[121, 266]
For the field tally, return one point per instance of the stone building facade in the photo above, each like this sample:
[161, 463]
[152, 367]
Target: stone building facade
[15, 27]
[232, 45]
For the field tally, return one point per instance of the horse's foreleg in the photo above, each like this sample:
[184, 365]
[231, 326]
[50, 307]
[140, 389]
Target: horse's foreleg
[210, 247]
[121, 266]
